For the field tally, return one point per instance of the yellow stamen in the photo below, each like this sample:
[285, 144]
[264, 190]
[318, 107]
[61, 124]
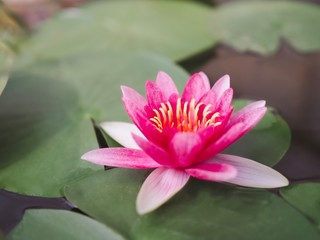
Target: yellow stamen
[164, 111]
[170, 113]
[186, 117]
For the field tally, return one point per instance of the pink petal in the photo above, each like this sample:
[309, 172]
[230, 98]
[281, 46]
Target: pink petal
[223, 142]
[209, 97]
[154, 151]
[140, 119]
[165, 83]
[221, 85]
[218, 172]
[205, 78]
[249, 118]
[196, 87]
[161, 185]
[208, 134]
[134, 96]
[239, 114]
[224, 102]
[251, 173]
[234, 132]
[135, 111]
[185, 147]
[146, 127]
[254, 105]
[224, 119]
[154, 95]
[120, 157]
[121, 132]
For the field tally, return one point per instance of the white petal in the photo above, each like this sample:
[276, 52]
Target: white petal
[159, 187]
[251, 173]
[121, 132]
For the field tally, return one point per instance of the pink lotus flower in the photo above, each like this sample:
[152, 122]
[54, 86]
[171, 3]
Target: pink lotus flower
[182, 137]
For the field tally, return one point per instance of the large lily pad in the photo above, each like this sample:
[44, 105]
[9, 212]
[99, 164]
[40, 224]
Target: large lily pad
[6, 60]
[203, 210]
[60, 224]
[306, 198]
[267, 142]
[176, 29]
[259, 26]
[46, 112]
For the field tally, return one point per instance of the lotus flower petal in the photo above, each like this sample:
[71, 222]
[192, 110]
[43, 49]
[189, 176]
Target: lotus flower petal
[153, 150]
[140, 119]
[220, 96]
[209, 97]
[221, 85]
[249, 119]
[223, 106]
[135, 112]
[242, 113]
[120, 157]
[234, 132]
[223, 142]
[132, 95]
[251, 173]
[154, 95]
[167, 86]
[161, 185]
[196, 87]
[185, 147]
[122, 133]
[218, 172]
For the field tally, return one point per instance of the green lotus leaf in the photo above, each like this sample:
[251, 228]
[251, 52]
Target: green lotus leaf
[259, 26]
[202, 210]
[306, 198]
[176, 29]
[60, 224]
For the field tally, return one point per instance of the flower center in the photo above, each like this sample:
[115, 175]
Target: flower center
[186, 117]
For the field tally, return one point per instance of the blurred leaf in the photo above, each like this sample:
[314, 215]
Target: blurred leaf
[6, 60]
[267, 142]
[176, 29]
[46, 111]
[58, 225]
[259, 26]
[202, 210]
[306, 198]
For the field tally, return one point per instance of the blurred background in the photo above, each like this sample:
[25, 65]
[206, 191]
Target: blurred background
[270, 51]
[33, 12]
